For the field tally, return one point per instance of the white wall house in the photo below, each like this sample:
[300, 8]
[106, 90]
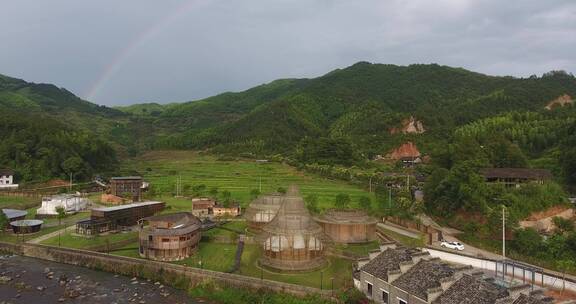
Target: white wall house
[7, 179]
[70, 203]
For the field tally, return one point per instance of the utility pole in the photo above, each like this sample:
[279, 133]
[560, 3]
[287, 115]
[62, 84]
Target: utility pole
[370, 184]
[503, 241]
[504, 232]
[389, 197]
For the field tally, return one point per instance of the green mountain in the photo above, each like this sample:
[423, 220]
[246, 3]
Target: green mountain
[48, 132]
[361, 109]
[361, 103]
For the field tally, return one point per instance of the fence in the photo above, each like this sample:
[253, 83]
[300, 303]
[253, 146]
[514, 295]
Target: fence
[152, 269]
[529, 274]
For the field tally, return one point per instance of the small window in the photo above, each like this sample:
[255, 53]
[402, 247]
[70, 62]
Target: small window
[369, 290]
[400, 301]
[182, 238]
[385, 299]
[149, 238]
[165, 240]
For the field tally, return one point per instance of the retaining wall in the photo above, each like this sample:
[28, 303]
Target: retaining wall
[152, 269]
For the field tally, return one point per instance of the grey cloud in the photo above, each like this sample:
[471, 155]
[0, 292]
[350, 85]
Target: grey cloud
[184, 50]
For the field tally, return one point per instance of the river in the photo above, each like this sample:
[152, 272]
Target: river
[30, 281]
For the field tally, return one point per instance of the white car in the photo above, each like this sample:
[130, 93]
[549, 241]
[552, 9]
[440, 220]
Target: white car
[452, 245]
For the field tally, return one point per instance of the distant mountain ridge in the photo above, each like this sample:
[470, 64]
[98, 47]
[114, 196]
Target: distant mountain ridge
[360, 104]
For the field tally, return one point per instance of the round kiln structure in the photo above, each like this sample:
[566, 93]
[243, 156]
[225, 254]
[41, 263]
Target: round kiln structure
[262, 210]
[348, 226]
[26, 226]
[292, 240]
[169, 237]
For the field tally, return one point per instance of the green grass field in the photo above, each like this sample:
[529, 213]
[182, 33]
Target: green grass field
[162, 169]
[358, 249]
[71, 240]
[16, 202]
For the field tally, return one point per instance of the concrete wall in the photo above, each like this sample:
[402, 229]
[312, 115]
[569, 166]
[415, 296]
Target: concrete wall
[151, 269]
[526, 273]
[379, 285]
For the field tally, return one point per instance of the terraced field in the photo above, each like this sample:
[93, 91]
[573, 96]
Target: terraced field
[163, 168]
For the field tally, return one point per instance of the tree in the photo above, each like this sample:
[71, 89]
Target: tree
[281, 190]
[3, 221]
[199, 189]
[61, 214]
[563, 225]
[565, 266]
[254, 193]
[365, 203]
[213, 192]
[312, 203]
[226, 196]
[342, 201]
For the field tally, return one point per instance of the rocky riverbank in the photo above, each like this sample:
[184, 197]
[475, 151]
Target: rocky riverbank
[28, 280]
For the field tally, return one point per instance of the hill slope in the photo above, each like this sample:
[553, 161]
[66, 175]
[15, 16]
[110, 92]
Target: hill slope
[362, 102]
[48, 132]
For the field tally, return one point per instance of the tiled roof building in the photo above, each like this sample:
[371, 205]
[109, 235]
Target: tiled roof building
[410, 276]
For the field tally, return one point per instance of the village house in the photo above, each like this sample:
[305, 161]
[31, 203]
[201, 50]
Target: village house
[71, 204]
[7, 179]
[127, 187]
[231, 210]
[514, 177]
[202, 207]
[399, 275]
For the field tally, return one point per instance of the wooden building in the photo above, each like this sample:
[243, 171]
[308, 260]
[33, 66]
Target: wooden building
[169, 237]
[348, 226]
[262, 210]
[127, 186]
[292, 240]
[112, 218]
[514, 177]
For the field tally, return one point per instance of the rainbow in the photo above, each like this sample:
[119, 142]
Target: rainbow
[114, 66]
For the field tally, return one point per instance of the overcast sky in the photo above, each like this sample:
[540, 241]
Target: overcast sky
[131, 51]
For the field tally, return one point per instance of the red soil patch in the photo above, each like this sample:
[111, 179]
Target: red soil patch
[566, 295]
[408, 149]
[546, 213]
[57, 183]
[560, 102]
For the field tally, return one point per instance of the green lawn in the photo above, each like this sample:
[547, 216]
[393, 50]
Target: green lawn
[71, 240]
[339, 269]
[358, 249]
[162, 168]
[214, 256]
[16, 202]
[404, 240]
[13, 238]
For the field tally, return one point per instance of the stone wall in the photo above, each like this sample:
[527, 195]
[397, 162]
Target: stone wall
[170, 274]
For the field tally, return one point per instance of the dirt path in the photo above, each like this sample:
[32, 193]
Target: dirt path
[50, 235]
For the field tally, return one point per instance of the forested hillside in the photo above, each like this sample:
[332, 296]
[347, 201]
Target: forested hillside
[357, 108]
[361, 103]
[47, 132]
